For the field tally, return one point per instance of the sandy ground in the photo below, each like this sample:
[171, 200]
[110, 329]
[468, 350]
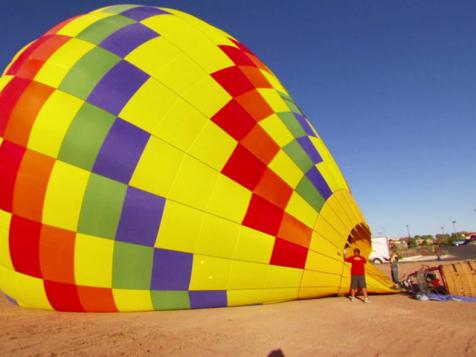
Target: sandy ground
[387, 326]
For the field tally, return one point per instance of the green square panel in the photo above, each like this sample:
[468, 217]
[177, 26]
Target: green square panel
[100, 30]
[132, 267]
[312, 196]
[102, 206]
[299, 156]
[85, 136]
[88, 71]
[170, 300]
[292, 124]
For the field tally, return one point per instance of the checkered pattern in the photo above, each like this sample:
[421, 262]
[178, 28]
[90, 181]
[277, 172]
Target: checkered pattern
[151, 161]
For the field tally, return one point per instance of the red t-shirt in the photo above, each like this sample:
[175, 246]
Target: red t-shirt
[357, 264]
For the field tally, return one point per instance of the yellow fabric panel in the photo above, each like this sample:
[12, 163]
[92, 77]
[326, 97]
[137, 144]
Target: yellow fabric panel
[64, 196]
[286, 169]
[8, 282]
[78, 24]
[354, 206]
[282, 277]
[152, 55]
[209, 273]
[93, 261]
[4, 80]
[179, 227]
[194, 43]
[149, 105]
[341, 196]
[329, 214]
[229, 199]
[265, 296]
[326, 229]
[301, 210]
[377, 282]
[311, 293]
[323, 245]
[313, 278]
[61, 61]
[210, 103]
[132, 300]
[213, 146]
[217, 237]
[274, 81]
[273, 99]
[346, 224]
[214, 34]
[180, 74]
[157, 167]
[254, 246]
[246, 275]
[319, 262]
[201, 177]
[328, 176]
[275, 128]
[182, 125]
[52, 122]
[32, 293]
[5, 259]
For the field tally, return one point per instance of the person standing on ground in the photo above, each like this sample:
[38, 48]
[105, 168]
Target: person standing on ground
[357, 273]
[394, 257]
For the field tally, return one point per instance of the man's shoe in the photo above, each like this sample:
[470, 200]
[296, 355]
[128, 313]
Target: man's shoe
[366, 300]
[351, 298]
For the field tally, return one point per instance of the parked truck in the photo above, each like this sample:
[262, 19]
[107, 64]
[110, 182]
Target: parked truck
[380, 250]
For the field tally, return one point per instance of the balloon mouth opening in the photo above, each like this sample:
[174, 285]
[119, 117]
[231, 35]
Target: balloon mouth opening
[359, 238]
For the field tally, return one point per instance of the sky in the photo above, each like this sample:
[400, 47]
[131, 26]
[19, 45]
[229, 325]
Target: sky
[389, 85]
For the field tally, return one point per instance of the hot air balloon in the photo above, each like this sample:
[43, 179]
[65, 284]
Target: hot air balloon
[150, 161]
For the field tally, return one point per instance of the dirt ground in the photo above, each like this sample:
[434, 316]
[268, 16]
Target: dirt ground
[387, 326]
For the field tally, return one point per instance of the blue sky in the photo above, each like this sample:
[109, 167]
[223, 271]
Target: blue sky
[389, 85]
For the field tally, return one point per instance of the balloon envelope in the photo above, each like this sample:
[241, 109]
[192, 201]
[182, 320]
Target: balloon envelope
[150, 161]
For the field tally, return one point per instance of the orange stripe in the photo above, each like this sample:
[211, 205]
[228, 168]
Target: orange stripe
[30, 185]
[294, 231]
[24, 114]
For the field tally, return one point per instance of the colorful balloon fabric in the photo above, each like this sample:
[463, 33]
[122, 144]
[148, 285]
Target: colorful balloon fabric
[150, 161]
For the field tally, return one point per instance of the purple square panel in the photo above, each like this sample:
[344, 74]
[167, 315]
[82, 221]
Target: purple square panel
[318, 181]
[305, 125]
[140, 218]
[121, 151]
[172, 270]
[117, 86]
[311, 151]
[210, 298]
[143, 12]
[128, 38]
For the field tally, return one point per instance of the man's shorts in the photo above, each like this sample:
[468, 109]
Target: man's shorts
[358, 281]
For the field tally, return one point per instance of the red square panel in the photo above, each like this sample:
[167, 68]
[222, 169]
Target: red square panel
[233, 81]
[8, 98]
[263, 216]
[288, 254]
[10, 158]
[63, 297]
[234, 120]
[244, 168]
[255, 105]
[57, 254]
[237, 55]
[96, 299]
[260, 144]
[24, 246]
[274, 189]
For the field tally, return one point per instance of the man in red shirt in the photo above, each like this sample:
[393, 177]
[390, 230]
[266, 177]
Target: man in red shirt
[357, 273]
